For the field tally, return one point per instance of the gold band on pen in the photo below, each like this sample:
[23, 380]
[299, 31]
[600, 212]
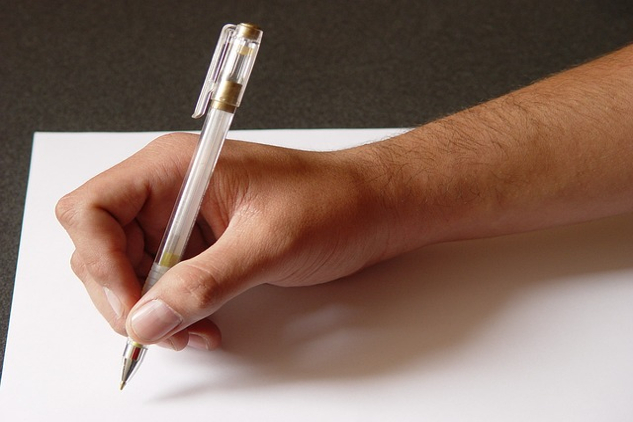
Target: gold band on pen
[226, 96]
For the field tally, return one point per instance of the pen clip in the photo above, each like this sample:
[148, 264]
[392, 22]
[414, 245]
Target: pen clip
[217, 62]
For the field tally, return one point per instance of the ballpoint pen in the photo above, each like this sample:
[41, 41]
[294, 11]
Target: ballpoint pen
[221, 94]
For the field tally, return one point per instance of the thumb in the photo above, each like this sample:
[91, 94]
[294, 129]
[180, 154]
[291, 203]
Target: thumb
[193, 289]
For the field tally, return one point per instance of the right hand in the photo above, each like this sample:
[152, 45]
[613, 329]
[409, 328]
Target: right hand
[271, 215]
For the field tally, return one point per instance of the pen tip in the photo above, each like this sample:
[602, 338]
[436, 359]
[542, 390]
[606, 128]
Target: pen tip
[122, 385]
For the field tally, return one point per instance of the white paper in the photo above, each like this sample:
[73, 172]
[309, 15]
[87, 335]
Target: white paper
[532, 327]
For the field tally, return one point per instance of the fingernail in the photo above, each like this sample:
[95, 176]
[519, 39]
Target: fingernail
[114, 302]
[153, 320]
[198, 342]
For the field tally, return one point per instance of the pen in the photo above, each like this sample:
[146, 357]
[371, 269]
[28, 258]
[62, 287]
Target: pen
[221, 94]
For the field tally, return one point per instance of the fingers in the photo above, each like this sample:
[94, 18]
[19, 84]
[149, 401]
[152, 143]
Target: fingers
[100, 259]
[202, 335]
[192, 290]
[117, 217]
[104, 298]
[116, 221]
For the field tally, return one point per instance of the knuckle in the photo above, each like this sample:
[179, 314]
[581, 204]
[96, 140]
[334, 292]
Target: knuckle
[99, 270]
[68, 209]
[166, 143]
[201, 288]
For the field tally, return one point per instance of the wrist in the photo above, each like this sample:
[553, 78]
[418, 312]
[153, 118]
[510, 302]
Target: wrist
[403, 181]
[430, 188]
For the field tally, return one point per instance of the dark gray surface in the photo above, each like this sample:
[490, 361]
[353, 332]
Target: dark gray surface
[134, 66]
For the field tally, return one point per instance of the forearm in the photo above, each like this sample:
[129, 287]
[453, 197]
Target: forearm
[559, 151]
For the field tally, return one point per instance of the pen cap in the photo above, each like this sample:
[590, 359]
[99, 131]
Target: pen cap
[230, 68]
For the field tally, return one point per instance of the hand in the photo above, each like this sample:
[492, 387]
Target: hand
[271, 215]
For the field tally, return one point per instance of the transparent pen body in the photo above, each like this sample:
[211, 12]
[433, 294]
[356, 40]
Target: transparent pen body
[194, 187]
[221, 94]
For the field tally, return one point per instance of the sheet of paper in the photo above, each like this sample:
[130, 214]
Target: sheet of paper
[532, 327]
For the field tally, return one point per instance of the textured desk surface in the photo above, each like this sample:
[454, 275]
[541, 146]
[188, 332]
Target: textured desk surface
[136, 66]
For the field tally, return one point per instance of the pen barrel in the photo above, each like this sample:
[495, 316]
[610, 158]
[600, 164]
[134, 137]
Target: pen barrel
[223, 88]
[194, 187]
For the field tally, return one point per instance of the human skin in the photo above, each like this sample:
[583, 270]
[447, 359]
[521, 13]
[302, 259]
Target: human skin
[557, 152]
